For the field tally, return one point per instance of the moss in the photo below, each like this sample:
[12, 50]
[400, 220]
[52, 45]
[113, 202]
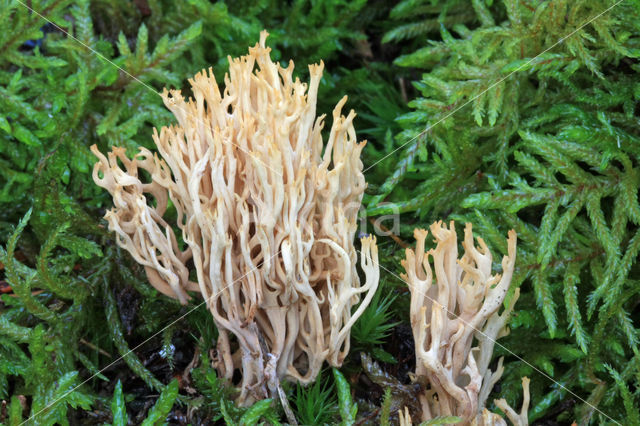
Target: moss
[473, 112]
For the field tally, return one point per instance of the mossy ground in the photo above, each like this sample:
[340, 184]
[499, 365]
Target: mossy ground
[508, 114]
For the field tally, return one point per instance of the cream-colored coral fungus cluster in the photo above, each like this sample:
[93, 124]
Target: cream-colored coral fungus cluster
[456, 321]
[267, 214]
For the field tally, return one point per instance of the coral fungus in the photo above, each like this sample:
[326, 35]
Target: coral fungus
[267, 213]
[449, 315]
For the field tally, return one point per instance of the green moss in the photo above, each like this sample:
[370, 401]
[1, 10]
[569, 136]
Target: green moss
[473, 112]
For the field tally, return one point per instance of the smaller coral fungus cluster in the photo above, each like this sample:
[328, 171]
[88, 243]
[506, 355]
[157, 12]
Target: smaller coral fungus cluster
[449, 315]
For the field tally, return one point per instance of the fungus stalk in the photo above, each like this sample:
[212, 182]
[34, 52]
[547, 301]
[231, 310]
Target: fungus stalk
[451, 314]
[267, 213]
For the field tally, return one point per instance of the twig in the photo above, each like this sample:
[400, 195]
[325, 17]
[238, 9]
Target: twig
[391, 235]
[291, 418]
[95, 348]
